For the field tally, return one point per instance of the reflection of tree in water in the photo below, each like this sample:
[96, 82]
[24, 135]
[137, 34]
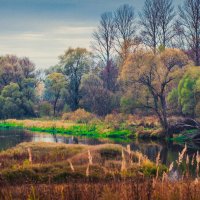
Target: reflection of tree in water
[84, 140]
[168, 150]
[55, 137]
[147, 148]
[73, 140]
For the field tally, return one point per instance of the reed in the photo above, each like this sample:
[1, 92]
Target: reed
[71, 166]
[123, 164]
[30, 155]
[181, 155]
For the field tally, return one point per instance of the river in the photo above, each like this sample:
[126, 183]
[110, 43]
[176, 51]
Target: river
[169, 151]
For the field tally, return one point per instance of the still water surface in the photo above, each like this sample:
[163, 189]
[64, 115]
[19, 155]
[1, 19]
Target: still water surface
[169, 151]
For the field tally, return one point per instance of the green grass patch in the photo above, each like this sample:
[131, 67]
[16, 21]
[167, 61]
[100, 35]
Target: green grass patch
[87, 130]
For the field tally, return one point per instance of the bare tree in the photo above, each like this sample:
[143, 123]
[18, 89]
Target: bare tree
[149, 19]
[166, 16]
[178, 41]
[190, 20]
[104, 37]
[124, 19]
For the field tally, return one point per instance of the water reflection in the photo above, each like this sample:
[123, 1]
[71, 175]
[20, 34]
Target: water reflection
[169, 151]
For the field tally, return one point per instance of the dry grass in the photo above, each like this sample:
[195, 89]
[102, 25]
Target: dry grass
[57, 163]
[42, 124]
[83, 172]
[132, 189]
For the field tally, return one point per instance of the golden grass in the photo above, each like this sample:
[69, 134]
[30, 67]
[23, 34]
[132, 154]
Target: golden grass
[134, 189]
[30, 161]
[42, 124]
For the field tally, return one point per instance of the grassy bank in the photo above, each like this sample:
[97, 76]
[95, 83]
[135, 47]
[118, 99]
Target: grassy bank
[111, 128]
[44, 163]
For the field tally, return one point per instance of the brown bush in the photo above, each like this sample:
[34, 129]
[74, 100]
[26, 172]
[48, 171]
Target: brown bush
[148, 121]
[115, 120]
[79, 116]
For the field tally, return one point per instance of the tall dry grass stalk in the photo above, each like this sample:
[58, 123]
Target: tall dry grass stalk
[139, 159]
[157, 164]
[129, 152]
[157, 172]
[158, 159]
[90, 158]
[88, 170]
[181, 155]
[164, 176]
[128, 147]
[193, 158]
[123, 165]
[171, 167]
[198, 161]
[71, 166]
[30, 155]
[187, 160]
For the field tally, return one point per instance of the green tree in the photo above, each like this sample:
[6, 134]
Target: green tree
[55, 83]
[75, 63]
[12, 101]
[189, 90]
[172, 100]
[17, 77]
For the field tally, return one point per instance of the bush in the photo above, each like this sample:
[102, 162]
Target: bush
[115, 120]
[145, 121]
[79, 116]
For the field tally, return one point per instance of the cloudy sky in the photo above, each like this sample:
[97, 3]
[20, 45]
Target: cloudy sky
[43, 29]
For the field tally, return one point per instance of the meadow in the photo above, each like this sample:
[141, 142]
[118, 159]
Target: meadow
[60, 171]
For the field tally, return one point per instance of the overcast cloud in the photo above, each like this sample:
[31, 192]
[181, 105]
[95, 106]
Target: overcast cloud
[43, 29]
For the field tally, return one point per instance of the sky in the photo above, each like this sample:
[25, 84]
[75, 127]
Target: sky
[43, 29]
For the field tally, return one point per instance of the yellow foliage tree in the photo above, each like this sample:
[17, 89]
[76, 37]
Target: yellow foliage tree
[156, 73]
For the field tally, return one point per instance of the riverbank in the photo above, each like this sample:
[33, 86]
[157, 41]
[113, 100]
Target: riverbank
[126, 129]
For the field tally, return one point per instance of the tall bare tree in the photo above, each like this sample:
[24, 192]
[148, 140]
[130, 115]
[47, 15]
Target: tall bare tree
[190, 20]
[104, 37]
[178, 41]
[149, 19]
[124, 18]
[166, 16]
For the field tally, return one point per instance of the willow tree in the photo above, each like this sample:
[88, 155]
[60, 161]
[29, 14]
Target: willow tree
[156, 73]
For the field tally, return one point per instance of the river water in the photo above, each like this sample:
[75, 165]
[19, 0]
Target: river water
[169, 151]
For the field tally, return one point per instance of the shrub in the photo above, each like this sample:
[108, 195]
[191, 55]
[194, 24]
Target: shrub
[148, 121]
[115, 120]
[79, 116]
